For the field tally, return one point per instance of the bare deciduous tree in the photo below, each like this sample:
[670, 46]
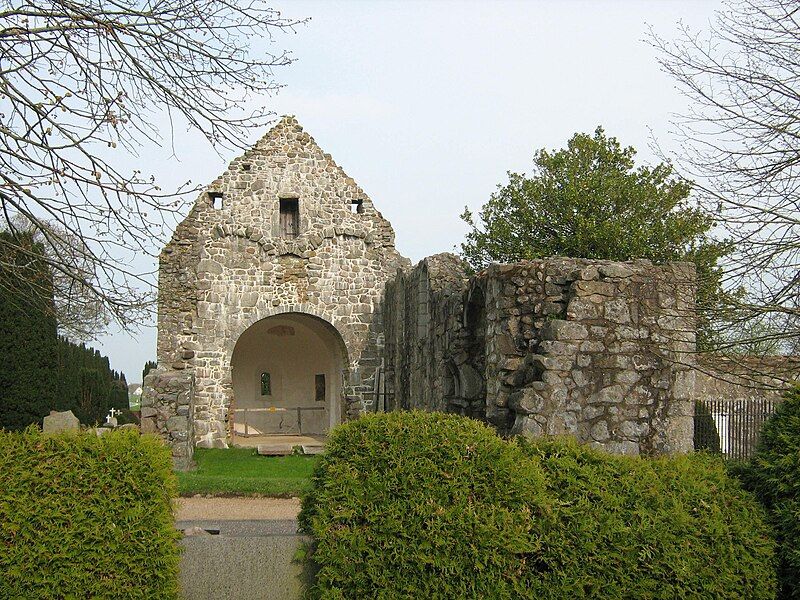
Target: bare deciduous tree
[740, 143]
[81, 78]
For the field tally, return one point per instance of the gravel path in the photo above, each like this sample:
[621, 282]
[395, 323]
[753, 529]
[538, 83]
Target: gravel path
[236, 509]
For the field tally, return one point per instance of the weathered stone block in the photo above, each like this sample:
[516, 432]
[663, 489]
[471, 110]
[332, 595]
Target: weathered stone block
[57, 422]
[615, 270]
[526, 401]
[600, 432]
[617, 311]
[559, 330]
[611, 395]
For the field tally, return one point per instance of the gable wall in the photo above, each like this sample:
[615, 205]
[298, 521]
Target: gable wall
[227, 268]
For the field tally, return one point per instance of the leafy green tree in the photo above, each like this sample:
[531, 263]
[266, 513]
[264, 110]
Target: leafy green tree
[590, 200]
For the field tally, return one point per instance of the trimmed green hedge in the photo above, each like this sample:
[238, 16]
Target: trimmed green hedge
[774, 476]
[668, 527]
[422, 505]
[86, 517]
[427, 505]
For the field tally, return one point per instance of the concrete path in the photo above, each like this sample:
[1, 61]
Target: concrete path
[258, 528]
[237, 509]
[240, 548]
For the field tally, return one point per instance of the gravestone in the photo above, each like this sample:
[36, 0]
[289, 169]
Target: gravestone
[111, 419]
[60, 421]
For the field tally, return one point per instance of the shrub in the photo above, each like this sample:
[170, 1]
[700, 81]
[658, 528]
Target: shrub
[86, 517]
[774, 476]
[669, 527]
[421, 505]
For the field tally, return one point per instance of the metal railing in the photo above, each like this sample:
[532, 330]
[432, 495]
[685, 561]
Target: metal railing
[270, 409]
[731, 427]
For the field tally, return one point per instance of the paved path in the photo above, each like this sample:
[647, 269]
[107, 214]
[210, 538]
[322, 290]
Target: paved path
[237, 509]
[257, 528]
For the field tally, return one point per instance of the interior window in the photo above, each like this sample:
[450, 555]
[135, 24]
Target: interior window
[266, 385]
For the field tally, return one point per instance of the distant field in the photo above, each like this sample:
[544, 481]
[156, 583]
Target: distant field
[241, 472]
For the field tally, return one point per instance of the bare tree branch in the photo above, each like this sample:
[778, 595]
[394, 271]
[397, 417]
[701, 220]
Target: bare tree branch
[78, 78]
[740, 142]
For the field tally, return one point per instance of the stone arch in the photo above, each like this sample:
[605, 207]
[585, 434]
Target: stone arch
[288, 374]
[300, 308]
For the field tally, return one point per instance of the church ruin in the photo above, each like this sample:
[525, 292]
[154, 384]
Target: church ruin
[284, 307]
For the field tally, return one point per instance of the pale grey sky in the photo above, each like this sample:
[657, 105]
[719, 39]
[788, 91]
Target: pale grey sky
[428, 104]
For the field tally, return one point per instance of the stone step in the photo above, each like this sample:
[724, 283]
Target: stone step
[275, 449]
[287, 448]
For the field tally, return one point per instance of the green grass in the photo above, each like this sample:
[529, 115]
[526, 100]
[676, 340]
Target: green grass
[242, 472]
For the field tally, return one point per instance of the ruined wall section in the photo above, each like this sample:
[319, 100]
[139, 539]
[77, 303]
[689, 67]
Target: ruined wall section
[177, 289]
[599, 350]
[230, 264]
[609, 356]
[423, 312]
[167, 403]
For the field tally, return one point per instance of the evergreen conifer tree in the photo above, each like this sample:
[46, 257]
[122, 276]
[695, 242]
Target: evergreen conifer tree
[28, 340]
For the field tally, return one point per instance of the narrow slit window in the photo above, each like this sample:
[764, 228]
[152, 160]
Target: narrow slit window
[290, 217]
[266, 385]
[357, 206]
[246, 167]
[216, 200]
[319, 387]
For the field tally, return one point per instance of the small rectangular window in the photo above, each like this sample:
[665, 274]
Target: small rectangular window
[357, 206]
[290, 217]
[266, 385]
[319, 387]
[216, 199]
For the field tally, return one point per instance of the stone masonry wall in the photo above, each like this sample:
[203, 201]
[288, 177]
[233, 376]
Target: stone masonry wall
[167, 403]
[423, 332]
[228, 266]
[599, 350]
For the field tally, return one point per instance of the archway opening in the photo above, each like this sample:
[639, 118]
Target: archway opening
[287, 373]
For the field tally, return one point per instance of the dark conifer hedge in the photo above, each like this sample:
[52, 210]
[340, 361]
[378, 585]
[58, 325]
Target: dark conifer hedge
[41, 371]
[87, 385]
[774, 476]
[28, 343]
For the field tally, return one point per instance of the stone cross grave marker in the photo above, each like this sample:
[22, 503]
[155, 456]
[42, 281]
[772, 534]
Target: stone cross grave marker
[111, 419]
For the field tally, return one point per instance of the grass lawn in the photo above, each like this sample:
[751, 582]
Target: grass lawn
[242, 472]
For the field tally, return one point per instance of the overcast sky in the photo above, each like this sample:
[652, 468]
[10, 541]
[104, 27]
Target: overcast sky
[427, 105]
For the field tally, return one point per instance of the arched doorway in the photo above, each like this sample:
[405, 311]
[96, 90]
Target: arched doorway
[287, 373]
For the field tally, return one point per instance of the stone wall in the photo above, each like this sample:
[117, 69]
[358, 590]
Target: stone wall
[167, 406]
[230, 264]
[599, 350]
[423, 332]
[745, 378]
